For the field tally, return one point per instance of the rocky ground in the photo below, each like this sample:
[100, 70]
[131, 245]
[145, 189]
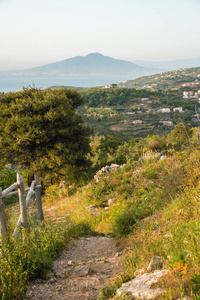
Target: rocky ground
[80, 271]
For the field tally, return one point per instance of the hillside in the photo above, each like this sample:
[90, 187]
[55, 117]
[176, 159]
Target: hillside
[151, 204]
[172, 79]
[137, 200]
[138, 112]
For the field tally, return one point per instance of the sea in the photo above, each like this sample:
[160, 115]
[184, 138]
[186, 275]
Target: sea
[13, 83]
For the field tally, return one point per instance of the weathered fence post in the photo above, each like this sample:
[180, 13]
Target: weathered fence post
[38, 199]
[3, 227]
[22, 201]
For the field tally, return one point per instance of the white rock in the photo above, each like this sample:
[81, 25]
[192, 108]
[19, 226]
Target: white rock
[110, 201]
[163, 157]
[70, 263]
[140, 286]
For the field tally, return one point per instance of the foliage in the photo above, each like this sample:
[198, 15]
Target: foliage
[127, 219]
[27, 258]
[106, 292]
[7, 177]
[41, 130]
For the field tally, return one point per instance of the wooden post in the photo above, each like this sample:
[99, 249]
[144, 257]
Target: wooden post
[3, 227]
[22, 201]
[38, 199]
[28, 197]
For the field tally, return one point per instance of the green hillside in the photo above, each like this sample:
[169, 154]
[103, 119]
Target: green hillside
[170, 79]
[142, 190]
[114, 110]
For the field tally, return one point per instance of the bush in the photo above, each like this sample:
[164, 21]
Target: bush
[7, 177]
[81, 229]
[28, 257]
[127, 220]
[106, 292]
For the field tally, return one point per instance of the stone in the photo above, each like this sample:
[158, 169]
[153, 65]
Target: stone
[139, 272]
[96, 213]
[91, 208]
[71, 263]
[155, 264]
[110, 201]
[82, 271]
[163, 157]
[52, 280]
[118, 254]
[140, 286]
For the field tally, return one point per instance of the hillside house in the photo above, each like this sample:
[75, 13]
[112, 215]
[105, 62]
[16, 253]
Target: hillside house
[178, 109]
[187, 95]
[164, 110]
[138, 122]
[167, 123]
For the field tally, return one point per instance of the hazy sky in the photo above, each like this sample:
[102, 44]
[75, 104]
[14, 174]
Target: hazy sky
[37, 32]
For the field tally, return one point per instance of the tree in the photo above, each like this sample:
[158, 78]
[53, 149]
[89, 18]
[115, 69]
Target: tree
[41, 131]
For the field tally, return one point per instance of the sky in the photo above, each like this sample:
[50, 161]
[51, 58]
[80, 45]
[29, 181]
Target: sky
[35, 33]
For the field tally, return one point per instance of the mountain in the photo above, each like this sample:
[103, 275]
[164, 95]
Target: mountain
[170, 65]
[91, 64]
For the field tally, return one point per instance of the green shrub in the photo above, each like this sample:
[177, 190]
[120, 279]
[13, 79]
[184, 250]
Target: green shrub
[98, 191]
[196, 282]
[28, 257]
[7, 177]
[127, 220]
[80, 229]
[106, 292]
[151, 173]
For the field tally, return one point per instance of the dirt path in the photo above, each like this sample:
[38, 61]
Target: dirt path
[80, 271]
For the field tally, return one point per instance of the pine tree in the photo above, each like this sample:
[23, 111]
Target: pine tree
[41, 131]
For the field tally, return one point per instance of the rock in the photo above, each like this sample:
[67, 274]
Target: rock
[114, 166]
[139, 272]
[163, 157]
[118, 254]
[96, 213]
[91, 208]
[52, 280]
[105, 170]
[71, 263]
[140, 286]
[82, 271]
[62, 184]
[110, 201]
[50, 275]
[155, 264]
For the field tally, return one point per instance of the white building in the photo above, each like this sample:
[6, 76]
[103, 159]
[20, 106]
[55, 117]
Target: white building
[187, 95]
[164, 110]
[167, 123]
[179, 109]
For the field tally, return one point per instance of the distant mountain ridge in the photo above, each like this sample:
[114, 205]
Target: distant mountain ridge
[93, 63]
[171, 65]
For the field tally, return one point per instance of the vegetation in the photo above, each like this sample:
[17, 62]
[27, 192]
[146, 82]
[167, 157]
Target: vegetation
[155, 208]
[41, 131]
[113, 110]
[155, 192]
[165, 80]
